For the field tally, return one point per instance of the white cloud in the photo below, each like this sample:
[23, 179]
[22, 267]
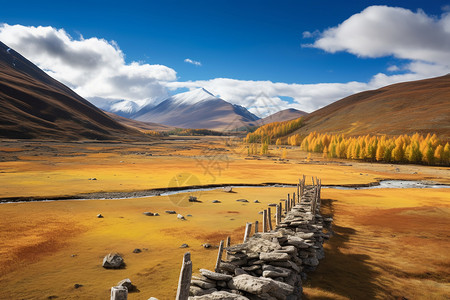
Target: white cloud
[393, 68]
[193, 62]
[96, 68]
[93, 67]
[383, 31]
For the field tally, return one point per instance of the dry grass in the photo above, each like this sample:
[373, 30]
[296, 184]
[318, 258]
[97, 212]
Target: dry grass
[387, 243]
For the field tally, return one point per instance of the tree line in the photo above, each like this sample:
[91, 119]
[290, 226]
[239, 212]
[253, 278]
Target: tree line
[270, 132]
[416, 148]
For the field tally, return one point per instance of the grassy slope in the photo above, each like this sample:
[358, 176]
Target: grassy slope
[418, 106]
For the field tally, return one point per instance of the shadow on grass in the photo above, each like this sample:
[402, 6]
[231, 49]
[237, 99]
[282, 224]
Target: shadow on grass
[347, 275]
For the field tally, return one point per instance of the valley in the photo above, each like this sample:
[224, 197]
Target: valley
[47, 247]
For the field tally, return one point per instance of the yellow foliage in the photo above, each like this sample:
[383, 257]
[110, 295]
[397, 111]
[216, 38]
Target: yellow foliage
[401, 149]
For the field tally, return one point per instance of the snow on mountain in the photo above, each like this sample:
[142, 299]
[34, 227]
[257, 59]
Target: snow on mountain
[193, 96]
[124, 108]
[197, 109]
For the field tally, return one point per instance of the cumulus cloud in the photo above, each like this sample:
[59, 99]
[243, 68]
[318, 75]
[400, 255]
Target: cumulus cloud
[381, 31]
[94, 67]
[193, 62]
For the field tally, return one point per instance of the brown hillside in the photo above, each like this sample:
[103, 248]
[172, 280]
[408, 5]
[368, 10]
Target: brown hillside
[404, 108]
[34, 105]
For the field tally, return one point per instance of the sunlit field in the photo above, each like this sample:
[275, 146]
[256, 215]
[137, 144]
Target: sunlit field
[387, 243]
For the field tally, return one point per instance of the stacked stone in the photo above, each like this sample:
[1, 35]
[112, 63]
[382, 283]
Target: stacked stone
[269, 265]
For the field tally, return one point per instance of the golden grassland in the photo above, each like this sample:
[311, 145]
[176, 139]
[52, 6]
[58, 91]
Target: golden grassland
[388, 243]
[55, 169]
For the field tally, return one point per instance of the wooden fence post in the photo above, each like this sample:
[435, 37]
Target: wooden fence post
[269, 218]
[184, 282]
[219, 257]
[248, 230]
[228, 244]
[285, 206]
[119, 293]
[278, 215]
[264, 221]
[256, 226]
[293, 200]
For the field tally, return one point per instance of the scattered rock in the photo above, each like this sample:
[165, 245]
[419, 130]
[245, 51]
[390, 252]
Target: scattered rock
[228, 189]
[170, 212]
[184, 246]
[181, 217]
[74, 255]
[242, 200]
[113, 261]
[193, 199]
[206, 245]
[99, 216]
[216, 201]
[189, 215]
[256, 201]
[93, 178]
[137, 250]
[127, 283]
[147, 213]
[155, 214]
[77, 285]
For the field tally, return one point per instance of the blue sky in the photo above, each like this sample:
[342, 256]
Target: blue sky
[237, 40]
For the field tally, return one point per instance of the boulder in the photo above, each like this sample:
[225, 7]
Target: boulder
[127, 283]
[228, 189]
[113, 261]
[215, 276]
[250, 284]
[181, 217]
[216, 201]
[100, 216]
[274, 256]
[184, 246]
[137, 250]
[203, 284]
[222, 295]
[147, 213]
[198, 291]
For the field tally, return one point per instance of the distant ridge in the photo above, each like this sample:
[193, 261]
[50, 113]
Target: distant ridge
[33, 105]
[283, 115]
[421, 106]
[198, 109]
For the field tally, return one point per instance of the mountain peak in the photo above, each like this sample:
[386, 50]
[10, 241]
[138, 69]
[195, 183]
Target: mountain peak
[193, 96]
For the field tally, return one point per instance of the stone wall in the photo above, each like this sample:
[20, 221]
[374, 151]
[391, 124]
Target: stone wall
[270, 265]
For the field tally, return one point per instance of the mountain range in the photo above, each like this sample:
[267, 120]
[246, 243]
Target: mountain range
[34, 105]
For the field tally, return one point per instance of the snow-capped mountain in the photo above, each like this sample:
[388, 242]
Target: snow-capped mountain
[124, 108]
[197, 109]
